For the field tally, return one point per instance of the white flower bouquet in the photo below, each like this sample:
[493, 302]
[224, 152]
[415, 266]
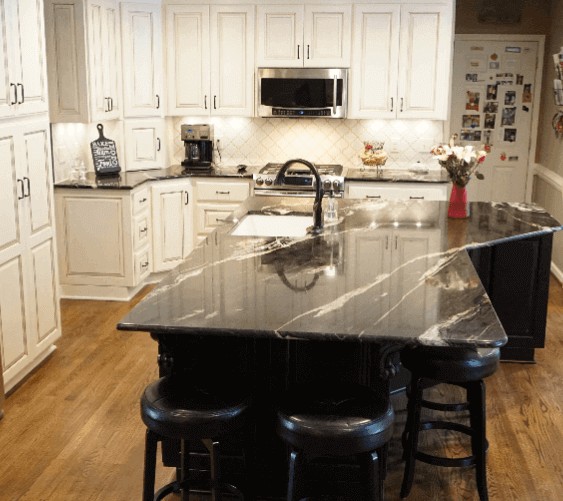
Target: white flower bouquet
[461, 162]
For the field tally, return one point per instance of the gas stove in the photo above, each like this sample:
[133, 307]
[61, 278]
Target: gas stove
[299, 181]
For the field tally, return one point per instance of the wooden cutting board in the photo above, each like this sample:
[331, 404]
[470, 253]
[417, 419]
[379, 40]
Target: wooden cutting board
[104, 154]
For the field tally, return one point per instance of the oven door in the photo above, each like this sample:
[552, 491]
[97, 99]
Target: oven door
[301, 92]
[283, 193]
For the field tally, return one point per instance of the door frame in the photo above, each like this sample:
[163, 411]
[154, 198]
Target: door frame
[536, 99]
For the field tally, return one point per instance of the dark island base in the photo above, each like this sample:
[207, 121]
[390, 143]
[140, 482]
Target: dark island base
[515, 275]
[268, 367]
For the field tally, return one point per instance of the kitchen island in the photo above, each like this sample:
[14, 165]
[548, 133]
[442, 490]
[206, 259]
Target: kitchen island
[339, 305]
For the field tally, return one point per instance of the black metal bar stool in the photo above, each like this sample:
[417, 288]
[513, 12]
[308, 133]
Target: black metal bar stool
[318, 420]
[461, 367]
[172, 409]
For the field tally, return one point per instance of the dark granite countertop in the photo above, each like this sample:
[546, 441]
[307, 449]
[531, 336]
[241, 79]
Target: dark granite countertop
[132, 179]
[398, 175]
[384, 272]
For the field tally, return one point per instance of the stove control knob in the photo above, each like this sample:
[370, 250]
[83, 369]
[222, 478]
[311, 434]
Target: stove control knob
[336, 186]
[327, 184]
[268, 181]
[259, 181]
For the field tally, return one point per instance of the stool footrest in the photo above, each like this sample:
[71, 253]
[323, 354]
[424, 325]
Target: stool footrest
[442, 406]
[443, 461]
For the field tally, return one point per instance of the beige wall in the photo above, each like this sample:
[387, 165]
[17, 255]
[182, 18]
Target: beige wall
[550, 148]
[549, 197]
[534, 19]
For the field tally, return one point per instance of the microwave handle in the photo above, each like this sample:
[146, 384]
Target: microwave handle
[334, 89]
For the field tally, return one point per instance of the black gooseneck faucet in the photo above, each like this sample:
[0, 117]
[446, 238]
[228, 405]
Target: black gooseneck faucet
[319, 192]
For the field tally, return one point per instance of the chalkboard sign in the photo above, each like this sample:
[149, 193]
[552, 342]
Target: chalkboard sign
[104, 154]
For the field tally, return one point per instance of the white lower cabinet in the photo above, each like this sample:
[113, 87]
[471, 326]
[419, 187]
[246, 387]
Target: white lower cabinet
[214, 201]
[104, 242]
[397, 191]
[172, 217]
[29, 305]
[398, 259]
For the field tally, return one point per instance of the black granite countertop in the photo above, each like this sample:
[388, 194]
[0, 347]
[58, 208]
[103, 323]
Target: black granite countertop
[398, 175]
[132, 179]
[384, 272]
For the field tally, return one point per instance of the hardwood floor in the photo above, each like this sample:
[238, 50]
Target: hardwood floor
[72, 431]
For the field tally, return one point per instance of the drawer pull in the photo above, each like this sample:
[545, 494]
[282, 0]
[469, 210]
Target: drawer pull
[416, 198]
[223, 192]
[144, 265]
[373, 196]
[143, 230]
[143, 200]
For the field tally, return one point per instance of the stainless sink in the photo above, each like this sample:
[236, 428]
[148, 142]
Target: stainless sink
[264, 225]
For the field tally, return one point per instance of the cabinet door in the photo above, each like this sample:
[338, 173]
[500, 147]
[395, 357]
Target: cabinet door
[279, 35]
[142, 59]
[144, 144]
[414, 252]
[35, 172]
[112, 60]
[12, 193]
[13, 323]
[7, 87]
[172, 216]
[371, 282]
[425, 61]
[373, 75]
[232, 56]
[326, 38]
[103, 59]
[29, 69]
[187, 38]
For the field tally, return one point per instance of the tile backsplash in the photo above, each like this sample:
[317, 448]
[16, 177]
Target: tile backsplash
[256, 141]
[259, 140]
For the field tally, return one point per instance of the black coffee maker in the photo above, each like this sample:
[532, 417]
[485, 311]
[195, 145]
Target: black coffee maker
[198, 143]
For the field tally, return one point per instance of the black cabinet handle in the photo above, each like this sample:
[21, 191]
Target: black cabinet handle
[298, 51]
[28, 184]
[15, 100]
[21, 194]
[214, 102]
[157, 102]
[143, 230]
[308, 52]
[373, 196]
[217, 192]
[391, 104]
[401, 110]
[416, 198]
[205, 101]
[22, 94]
[144, 265]
[157, 144]
[187, 198]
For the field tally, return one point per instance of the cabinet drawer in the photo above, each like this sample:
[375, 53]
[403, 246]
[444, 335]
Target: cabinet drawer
[209, 216]
[141, 230]
[229, 191]
[141, 200]
[142, 265]
[403, 192]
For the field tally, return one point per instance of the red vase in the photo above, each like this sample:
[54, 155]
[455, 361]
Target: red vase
[459, 206]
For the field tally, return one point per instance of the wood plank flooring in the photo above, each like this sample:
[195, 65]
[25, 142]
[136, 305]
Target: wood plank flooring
[72, 431]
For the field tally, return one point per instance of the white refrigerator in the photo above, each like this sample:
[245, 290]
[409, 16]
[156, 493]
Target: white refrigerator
[495, 102]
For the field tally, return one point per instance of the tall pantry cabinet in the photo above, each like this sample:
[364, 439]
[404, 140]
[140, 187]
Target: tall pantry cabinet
[29, 304]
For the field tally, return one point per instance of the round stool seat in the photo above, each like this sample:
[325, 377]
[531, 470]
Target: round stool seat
[449, 364]
[339, 420]
[178, 410]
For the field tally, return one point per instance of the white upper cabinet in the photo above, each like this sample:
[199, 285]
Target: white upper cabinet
[84, 60]
[401, 61]
[141, 33]
[23, 85]
[297, 35]
[210, 60]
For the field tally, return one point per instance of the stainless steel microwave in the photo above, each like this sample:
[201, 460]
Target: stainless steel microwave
[302, 92]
